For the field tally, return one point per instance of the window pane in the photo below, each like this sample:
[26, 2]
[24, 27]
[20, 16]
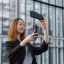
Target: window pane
[23, 17]
[59, 51]
[6, 1]
[5, 16]
[22, 1]
[0, 49]
[29, 6]
[0, 16]
[51, 21]
[52, 1]
[52, 54]
[63, 23]
[59, 2]
[63, 3]
[22, 7]
[0, 26]
[4, 56]
[37, 7]
[13, 10]
[45, 0]
[38, 59]
[59, 22]
[29, 24]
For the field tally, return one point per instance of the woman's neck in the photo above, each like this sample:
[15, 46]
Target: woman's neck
[18, 37]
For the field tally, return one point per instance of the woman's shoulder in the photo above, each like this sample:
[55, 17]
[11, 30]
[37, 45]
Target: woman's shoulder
[12, 42]
[8, 42]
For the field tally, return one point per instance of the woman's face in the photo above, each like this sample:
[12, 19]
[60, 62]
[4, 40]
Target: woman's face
[20, 27]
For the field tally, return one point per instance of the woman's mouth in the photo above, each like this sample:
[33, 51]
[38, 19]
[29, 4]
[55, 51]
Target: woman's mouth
[22, 29]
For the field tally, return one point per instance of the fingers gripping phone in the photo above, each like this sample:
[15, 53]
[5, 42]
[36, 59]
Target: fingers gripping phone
[36, 15]
[35, 27]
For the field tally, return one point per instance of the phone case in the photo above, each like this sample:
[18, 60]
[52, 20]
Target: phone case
[36, 15]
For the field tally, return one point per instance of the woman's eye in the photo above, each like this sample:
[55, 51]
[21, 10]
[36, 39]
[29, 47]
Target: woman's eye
[22, 24]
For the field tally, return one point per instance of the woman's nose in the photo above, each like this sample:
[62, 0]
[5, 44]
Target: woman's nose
[22, 26]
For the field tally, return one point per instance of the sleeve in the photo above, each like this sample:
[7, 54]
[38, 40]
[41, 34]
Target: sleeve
[41, 49]
[10, 51]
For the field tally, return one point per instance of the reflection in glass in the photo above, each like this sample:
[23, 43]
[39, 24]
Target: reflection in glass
[22, 1]
[38, 59]
[52, 2]
[58, 22]
[29, 24]
[0, 16]
[23, 17]
[45, 1]
[5, 15]
[37, 7]
[52, 53]
[59, 51]
[29, 6]
[51, 21]
[63, 23]
[4, 56]
[0, 49]
[59, 2]
[63, 3]
[22, 9]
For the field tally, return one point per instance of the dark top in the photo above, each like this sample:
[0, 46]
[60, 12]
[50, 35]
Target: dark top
[16, 53]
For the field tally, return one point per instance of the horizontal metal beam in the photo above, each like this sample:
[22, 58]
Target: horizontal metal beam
[49, 4]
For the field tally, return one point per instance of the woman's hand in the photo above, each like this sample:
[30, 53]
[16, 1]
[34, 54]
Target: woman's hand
[43, 24]
[32, 37]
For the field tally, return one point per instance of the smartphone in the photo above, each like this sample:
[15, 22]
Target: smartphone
[36, 15]
[35, 27]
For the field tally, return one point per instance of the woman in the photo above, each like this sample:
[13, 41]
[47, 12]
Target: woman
[18, 48]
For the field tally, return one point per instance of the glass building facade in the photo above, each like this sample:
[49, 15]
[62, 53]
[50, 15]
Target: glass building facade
[53, 12]
[7, 13]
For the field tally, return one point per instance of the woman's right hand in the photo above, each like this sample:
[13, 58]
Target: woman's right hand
[32, 37]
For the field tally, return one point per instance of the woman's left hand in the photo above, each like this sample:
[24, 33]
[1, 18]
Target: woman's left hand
[43, 24]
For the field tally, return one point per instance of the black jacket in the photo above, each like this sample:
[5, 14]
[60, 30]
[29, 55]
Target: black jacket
[16, 53]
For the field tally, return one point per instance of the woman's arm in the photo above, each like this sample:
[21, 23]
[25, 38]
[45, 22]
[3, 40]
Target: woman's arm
[12, 51]
[43, 25]
[45, 36]
[39, 50]
[44, 46]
